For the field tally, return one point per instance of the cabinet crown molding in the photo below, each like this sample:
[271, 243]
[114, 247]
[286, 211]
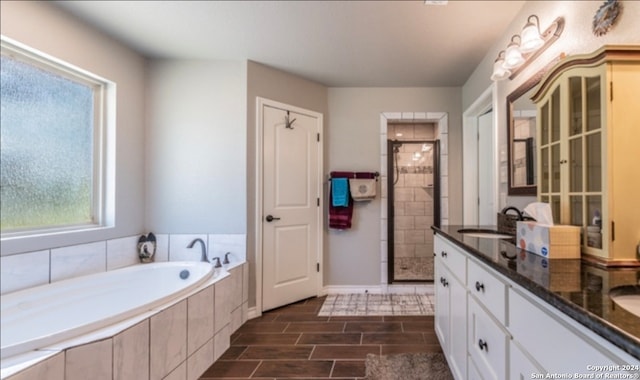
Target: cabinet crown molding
[607, 53]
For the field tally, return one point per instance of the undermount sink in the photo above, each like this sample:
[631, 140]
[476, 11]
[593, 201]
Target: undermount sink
[627, 297]
[484, 233]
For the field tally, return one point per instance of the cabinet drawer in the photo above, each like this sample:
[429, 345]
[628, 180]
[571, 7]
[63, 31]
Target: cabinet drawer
[452, 257]
[487, 344]
[488, 289]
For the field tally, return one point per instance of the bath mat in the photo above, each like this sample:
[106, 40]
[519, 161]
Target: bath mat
[340, 305]
[411, 366]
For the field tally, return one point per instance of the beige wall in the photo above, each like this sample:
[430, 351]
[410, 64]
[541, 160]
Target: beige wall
[196, 147]
[352, 257]
[44, 27]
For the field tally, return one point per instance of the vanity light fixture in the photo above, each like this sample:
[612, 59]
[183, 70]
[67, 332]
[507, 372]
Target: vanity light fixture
[531, 39]
[525, 47]
[499, 72]
[513, 57]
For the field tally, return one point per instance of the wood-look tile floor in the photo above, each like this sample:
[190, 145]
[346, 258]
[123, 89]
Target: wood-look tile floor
[294, 342]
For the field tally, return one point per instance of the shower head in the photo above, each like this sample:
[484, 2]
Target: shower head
[396, 146]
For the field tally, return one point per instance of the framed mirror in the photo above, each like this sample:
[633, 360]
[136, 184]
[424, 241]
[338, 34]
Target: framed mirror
[521, 137]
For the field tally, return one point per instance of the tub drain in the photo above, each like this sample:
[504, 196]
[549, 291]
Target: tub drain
[184, 274]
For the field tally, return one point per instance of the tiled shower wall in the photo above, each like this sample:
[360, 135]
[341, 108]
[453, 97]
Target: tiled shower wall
[413, 203]
[440, 132]
[30, 269]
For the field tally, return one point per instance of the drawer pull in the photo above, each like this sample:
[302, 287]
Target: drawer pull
[444, 281]
[479, 286]
[443, 253]
[483, 345]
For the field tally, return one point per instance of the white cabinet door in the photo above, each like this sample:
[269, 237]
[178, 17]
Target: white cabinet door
[521, 367]
[441, 317]
[487, 342]
[458, 329]
[451, 318]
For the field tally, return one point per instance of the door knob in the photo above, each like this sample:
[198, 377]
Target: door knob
[271, 218]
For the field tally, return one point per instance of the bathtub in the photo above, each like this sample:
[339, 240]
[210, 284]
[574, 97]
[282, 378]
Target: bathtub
[38, 317]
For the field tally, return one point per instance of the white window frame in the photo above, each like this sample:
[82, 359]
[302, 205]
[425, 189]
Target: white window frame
[103, 196]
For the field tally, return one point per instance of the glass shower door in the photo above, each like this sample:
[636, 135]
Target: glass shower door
[411, 184]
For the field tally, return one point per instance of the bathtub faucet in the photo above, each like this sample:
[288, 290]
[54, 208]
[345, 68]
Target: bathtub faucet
[204, 249]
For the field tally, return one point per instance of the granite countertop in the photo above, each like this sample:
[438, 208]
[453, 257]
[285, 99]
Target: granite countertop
[576, 288]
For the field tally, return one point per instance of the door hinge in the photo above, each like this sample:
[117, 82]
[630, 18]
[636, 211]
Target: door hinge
[317, 267]
[318, 137]
[318, 202]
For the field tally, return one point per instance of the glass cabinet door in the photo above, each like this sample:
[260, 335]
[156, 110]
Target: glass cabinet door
[571, 169]
[550, 150]
[584, 203]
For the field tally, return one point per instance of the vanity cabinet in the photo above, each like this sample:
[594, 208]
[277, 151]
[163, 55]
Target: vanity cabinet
[451, 305]
[588, 137]
[490, 327]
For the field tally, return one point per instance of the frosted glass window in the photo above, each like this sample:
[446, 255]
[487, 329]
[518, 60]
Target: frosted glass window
[49, 146]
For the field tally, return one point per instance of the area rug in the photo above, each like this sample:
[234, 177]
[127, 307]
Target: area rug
[413, 366]
[341, 305]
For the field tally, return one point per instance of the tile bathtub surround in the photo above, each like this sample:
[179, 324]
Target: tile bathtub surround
[219, 244]
[131, 352]
[178, 342]
[94, 359]
[50, 369]
[78, 260]
[25, 270]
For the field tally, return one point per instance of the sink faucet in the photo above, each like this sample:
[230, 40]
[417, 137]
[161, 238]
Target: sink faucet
[226, 258]
[204, 249]
[217, 265]
[511, 208]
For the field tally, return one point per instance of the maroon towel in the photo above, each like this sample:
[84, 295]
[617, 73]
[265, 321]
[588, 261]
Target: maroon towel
[340, 217]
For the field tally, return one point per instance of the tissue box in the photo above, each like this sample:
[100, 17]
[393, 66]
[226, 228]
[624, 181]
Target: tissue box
[554, 242]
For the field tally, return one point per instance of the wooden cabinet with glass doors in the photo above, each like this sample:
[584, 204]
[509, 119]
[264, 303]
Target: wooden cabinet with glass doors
[589, 150]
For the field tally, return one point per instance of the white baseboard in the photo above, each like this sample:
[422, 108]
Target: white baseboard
[253, 313]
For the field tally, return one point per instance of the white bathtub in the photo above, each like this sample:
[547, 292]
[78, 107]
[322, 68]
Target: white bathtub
[41, 316]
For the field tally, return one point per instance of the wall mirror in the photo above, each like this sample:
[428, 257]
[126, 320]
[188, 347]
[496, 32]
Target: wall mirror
[521, 135]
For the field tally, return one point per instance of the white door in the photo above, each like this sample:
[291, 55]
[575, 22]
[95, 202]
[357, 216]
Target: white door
[291, 206]
[486, 213]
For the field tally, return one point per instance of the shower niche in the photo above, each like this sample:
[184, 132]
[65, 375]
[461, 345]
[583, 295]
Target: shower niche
[413, 192]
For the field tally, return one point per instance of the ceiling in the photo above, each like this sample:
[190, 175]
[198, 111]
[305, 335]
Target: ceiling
[335, 43]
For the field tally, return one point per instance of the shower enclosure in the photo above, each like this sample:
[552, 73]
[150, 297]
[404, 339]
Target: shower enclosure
[413, 192]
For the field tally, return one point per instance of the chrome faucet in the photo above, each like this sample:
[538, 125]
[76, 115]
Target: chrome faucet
[204, 249]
